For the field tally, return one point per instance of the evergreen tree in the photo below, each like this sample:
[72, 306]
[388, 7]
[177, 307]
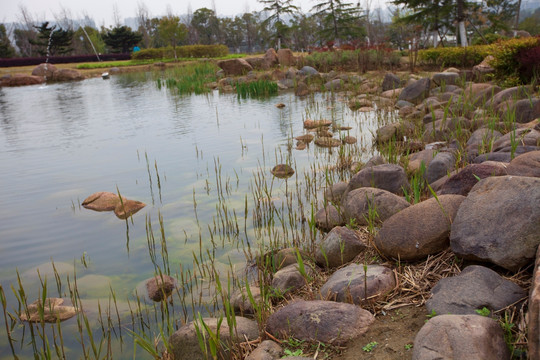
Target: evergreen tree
[6, 50]
[277, 9]
[121, 39]
[51, 40]
[340, 20]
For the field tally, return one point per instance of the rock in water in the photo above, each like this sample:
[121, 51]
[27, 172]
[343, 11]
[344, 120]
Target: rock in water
[102, 201]
[160, 287]
[282, 171]
[127, 208]
[53, 310]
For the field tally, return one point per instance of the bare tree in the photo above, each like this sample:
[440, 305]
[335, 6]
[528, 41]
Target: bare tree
[116, 15]
[64, 18]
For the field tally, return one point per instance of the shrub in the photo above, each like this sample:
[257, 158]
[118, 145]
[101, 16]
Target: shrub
[454, 56]
[507, 57]
[365, 58]
[146, 54]
[529, 64]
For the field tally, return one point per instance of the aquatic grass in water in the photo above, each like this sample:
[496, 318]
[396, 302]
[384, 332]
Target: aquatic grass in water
[190, 79]
[256, 89]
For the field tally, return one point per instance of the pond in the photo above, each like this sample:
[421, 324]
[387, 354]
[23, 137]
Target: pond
[202, 165]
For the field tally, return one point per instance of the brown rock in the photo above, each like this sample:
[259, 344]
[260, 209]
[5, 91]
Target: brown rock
[534, 312]
[44, 70]
[419, 230]
[271, 58]
[160, 287]
[241, 302]
[267, 350]
[338, 247]
[328, 218]
[355, 284]
[286, 57]
[53, 311]
[390, 177]
[185, 342]
[327, 142]
[460, 337]
[290, 278]
[102, 201]
[466, 178]
[127, 208]
[67, 75]
[20, 80]
[527, 164]
[313, 124]
[235, 66]
[325, 321]
[282, 171]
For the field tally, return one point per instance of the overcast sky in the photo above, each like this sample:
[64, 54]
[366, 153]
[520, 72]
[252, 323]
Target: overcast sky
[102, 10]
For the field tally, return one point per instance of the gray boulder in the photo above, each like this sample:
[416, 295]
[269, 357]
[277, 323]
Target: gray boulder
[462, 182]
[352, 284]
[290, 278]
[338, 247]
[527, 164]
[391, 82]
[460, 337]
[446, 78]
[328, 218]
[370, 204]
[443, 163]
[335, 192]
[498, 222]
[419, 230]
[326, 321]
[390, 177]
[184, 342]
[473, 289]
[416, 92]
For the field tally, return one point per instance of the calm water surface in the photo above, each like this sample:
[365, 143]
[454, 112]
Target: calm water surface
[60, 143]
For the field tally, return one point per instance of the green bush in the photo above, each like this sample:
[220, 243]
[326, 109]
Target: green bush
[148, 54]
[187, 51]
[506, 55]
[454, 56]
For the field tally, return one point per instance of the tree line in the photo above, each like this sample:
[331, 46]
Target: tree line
[279, 24]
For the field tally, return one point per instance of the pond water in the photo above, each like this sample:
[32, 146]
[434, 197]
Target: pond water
[197, 161]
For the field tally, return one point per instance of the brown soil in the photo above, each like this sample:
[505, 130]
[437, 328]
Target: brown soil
[393, 333]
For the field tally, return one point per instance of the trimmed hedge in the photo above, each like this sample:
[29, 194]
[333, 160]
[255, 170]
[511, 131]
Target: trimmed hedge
[187, 51]
[28, 61]
[512, 58]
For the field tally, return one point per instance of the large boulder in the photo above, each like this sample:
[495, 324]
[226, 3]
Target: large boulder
[523, 111]
[498, 222]
[365, 205]
[356, 283]
[390, 177]
[45, 70]
[235, 66]
[513, 93]
[20, 80]
[534, 312]
[328, 218]
[325, 321]
[419, 230]
[443, 163]
[271, 58]
[416, 92]
[527, 164]
[473, 289]
[67, 75]
[390, 82]
[462, 182]
[338, 247]
[460, 337]
[483, 69]
[286, 57]
[184, 343]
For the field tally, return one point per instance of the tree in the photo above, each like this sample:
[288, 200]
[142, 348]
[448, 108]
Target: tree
[206, 26]
[277, 9]
[121, 38]
[531, 23]
[339, 20]
[304, 31]
[6, 50]
[87, 40]
[172, 30]
[51, 41]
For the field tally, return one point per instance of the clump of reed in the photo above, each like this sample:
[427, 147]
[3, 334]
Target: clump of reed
[190, 79]
[256, 89]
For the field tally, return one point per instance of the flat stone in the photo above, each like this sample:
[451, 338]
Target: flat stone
[338, 247]
[460, 337]
[419, 230]
[125, 209]
[473, 289]
[326, 321]
[446, 78]
[498, 222]
[282, 171]
[102, 201]
[51, 311]
[352, 284]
